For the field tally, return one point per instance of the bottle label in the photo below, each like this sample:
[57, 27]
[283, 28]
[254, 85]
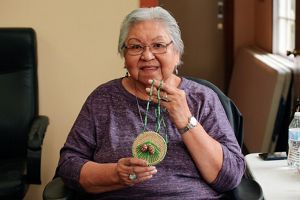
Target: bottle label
[294, 134]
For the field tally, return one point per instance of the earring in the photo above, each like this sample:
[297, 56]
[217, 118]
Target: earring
[127, 74]
[176, 70]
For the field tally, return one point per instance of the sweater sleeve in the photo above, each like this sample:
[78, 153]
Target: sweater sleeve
[215, 122]
[78, 148]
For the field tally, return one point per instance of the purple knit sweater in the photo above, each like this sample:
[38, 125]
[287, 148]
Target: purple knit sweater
[108, 123]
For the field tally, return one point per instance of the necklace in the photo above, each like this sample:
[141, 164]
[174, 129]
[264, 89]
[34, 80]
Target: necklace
[150, 145]
[141, 118]
[138, 106]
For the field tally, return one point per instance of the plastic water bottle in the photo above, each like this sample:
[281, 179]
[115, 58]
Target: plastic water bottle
[294, 142]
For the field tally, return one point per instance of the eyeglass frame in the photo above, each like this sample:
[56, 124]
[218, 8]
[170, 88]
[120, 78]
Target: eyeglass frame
[144, 48]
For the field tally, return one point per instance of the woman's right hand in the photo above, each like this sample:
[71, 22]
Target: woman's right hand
[136, 168]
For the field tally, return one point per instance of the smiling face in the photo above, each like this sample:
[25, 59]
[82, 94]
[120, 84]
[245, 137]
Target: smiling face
[148, 65]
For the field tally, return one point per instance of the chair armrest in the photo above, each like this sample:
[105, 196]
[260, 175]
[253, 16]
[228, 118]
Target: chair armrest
[37, 132]
[34, 150]
[248, 189]
[56, 190]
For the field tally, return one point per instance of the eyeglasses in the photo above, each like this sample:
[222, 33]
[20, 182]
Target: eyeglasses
[155, 48]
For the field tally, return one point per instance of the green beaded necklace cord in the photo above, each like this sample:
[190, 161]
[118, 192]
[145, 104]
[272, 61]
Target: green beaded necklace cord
[158, 116]
[150, 145]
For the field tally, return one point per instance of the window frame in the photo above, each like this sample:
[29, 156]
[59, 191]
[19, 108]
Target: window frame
[276, 34]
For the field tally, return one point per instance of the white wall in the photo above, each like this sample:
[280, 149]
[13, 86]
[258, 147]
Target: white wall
[77, 51]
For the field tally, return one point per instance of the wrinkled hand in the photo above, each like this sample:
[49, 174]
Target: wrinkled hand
[174, 100]
[139, 167]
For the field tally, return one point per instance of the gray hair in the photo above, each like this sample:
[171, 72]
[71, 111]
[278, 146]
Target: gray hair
[155, 13]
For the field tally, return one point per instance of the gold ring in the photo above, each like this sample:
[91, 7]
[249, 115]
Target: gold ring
[165, 98]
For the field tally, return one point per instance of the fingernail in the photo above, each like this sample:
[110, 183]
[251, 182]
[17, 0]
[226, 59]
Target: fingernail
[147, 89]
[150, 81]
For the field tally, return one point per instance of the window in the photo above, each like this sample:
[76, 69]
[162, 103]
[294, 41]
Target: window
[284, 29]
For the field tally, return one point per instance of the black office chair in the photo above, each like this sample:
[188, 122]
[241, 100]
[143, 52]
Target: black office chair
[21, 129]
[247, 190]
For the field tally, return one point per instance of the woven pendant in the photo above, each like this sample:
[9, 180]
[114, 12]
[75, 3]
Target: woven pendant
[149, 146]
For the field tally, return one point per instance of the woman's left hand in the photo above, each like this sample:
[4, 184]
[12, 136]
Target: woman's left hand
[174, 100]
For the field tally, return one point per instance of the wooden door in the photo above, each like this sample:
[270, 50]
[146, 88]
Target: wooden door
[202, 28]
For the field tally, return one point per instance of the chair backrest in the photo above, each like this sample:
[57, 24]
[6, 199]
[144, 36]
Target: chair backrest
[18, 89]
[233, 114]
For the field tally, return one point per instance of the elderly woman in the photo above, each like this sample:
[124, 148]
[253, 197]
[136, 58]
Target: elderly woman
[203, 158]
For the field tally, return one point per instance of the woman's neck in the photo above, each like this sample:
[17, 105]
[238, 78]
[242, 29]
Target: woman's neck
[139, 89]
[135, 88]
